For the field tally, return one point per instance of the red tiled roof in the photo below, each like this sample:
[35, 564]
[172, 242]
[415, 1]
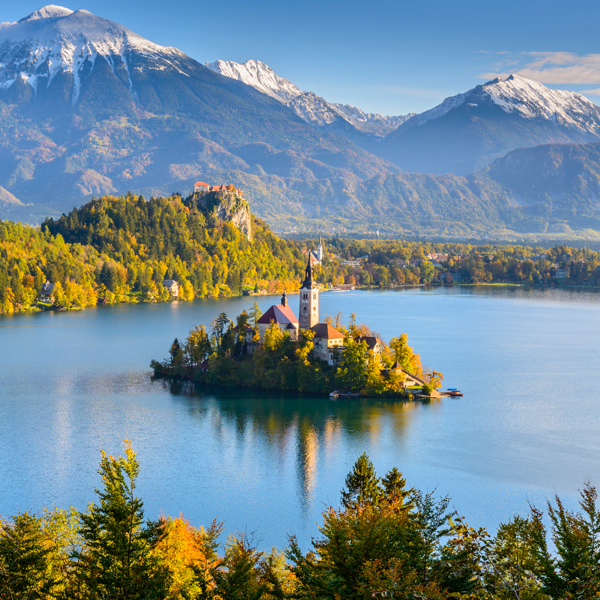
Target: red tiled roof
[201, 183]
[326, 331]
[282, 315]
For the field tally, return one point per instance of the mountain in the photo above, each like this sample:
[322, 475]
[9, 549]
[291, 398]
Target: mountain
[545, 190]
[470, 130]
[308, 106]
[87, 107]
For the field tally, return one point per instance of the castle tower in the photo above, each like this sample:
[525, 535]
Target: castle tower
[309, 299]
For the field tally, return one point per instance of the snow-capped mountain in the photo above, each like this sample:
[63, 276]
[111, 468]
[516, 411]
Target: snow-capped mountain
[90, 107]
[470, 130]
[526, 98]
[313, 109]
[55, 40]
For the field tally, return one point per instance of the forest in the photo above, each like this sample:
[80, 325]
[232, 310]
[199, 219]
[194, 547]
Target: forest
[219, 357]
[383, 540]
[121, 249]
[115, 250]
[387, 263]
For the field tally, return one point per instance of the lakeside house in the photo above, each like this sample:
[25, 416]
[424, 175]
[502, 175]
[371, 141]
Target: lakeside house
[47, 292]
[409, 379]
[374, 344]
[172, 287]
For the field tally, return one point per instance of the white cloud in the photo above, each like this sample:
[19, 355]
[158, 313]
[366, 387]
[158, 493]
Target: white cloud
[548, 67]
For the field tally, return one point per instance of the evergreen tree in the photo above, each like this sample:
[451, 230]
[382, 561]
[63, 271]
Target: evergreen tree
[115, 560]
[362, 484]
[244, 575]
[394, 486]
[176, 352]
[24, 560]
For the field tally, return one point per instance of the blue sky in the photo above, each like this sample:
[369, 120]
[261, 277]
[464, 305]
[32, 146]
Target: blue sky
[382, 56]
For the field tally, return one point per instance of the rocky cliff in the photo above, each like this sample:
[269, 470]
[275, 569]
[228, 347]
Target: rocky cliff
[226, 206]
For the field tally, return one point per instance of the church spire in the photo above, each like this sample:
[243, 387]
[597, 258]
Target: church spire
[308, 273]
[309, 297]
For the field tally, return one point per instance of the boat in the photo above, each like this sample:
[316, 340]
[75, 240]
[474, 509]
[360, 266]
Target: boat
[454, 392]
[335, 395]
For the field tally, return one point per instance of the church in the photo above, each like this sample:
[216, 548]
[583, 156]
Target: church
[328, 341]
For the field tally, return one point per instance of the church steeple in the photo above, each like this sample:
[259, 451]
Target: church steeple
[308, 272]
[309, 298]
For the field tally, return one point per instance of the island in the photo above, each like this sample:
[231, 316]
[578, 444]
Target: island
[278, 350]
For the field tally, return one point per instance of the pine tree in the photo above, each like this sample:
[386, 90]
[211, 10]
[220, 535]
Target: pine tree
[176, 352]
[24, 559]
[362, 484]
[394, 486]
[115, 560]
[243, 578]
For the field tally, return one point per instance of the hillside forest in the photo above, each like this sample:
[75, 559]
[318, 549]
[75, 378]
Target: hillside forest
[121, 250]
[382, 540]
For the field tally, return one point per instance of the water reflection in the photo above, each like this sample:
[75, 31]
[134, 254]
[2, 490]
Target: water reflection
[314, 428]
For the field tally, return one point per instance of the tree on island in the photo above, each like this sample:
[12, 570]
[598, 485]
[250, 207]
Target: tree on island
[351, 373]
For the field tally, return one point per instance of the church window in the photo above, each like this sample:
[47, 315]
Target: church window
[314, 296]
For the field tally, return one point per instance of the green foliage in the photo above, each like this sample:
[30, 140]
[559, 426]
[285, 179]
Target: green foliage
[351, 373]
[362, 484]
[121, 249]
[25, 560]
[385, 541]
[238, 356]
[115, 560]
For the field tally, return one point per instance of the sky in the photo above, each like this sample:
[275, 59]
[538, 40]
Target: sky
[390, 57]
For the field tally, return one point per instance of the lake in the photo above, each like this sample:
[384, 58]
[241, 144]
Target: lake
[527, 426]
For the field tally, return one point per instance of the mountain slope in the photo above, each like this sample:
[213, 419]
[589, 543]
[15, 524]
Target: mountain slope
[547, 189]
[89, 107]
[470, 130]
[308, 106]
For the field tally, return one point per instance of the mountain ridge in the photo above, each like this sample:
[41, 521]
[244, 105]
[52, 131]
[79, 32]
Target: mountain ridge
[470, 130]
[307, 105]
[119, 113]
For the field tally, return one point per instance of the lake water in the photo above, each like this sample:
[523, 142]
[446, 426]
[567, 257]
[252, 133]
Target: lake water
[526, 428]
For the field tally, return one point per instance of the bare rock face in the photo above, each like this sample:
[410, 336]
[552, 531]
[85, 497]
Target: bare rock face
[227, 206]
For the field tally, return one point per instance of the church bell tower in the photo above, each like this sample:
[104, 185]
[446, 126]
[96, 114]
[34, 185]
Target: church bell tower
[309, 299]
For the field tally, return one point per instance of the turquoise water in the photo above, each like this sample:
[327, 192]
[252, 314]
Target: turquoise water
[527, 426]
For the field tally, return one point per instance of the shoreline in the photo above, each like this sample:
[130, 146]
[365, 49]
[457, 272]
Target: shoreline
[191, 379]
[41, 309]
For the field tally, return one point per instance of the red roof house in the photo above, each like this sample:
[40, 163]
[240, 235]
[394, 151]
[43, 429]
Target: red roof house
[282, 315]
